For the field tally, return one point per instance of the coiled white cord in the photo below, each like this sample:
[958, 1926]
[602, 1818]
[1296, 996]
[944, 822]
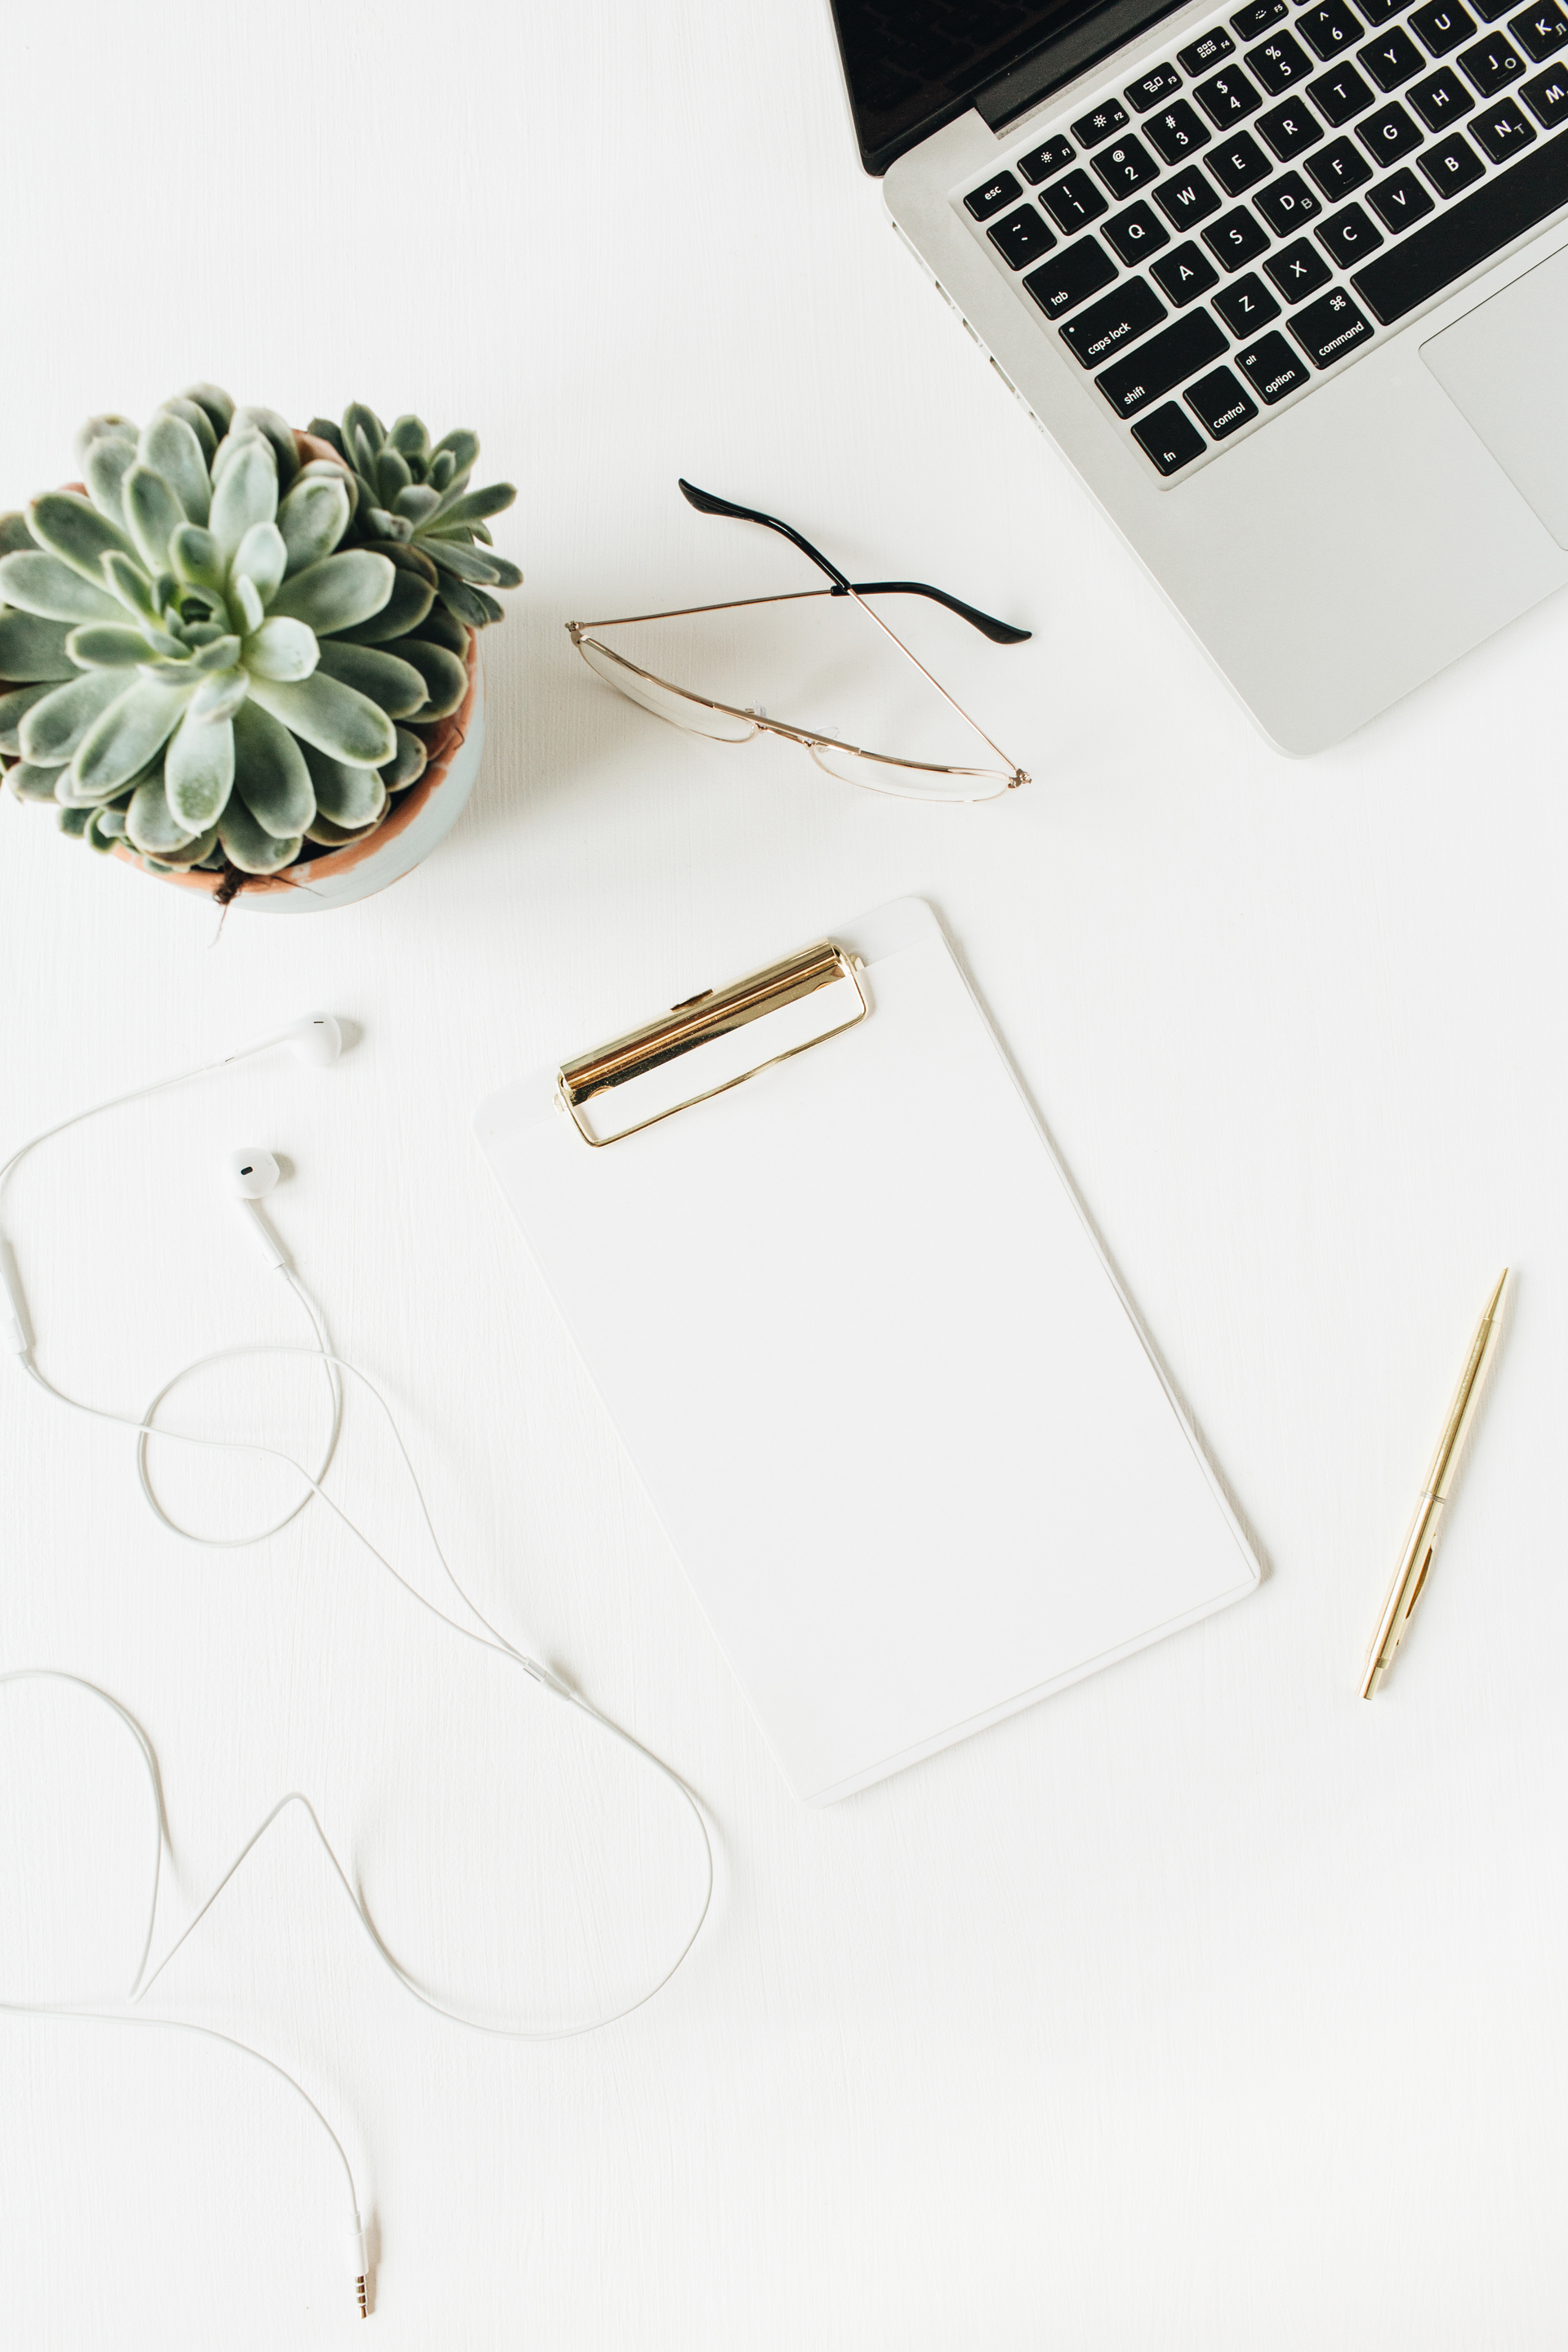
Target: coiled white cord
[145, 1427]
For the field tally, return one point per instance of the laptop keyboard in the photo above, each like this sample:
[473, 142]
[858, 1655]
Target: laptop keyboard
[1233, 223]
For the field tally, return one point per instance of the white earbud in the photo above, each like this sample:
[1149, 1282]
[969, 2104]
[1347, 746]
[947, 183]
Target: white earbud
[252, 1174]
[318, 1039]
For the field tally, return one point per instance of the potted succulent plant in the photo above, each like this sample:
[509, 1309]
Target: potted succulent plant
[246, 658]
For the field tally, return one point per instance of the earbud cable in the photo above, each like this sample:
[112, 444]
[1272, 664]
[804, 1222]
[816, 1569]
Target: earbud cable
[492, 1639]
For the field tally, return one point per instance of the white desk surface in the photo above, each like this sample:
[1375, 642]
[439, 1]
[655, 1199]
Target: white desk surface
[1202, 2006]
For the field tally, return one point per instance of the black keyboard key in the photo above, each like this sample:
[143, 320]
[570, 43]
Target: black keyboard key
[1183, 275]
[1239, 164]
[1289, 204]
[1272, 368]
[1126, 167]
[1299, 270]
[1279, 64]
[1458, 241]
[1152, 87]
[1500, 131]
[1492, 64]
[1187, 199]
[1540, 32]
[1098, 332]
[1044, 162]
[1135, 233]
[1330, 28]
[1248, 23]
[1290, 129]
[1002, 190]
[1169, 438]
[1022, 237]
[1201, 54]
[1451, 165]
[1073, 201]
[1221, 403]
[1547, 98]
[1441, 99]
[1341, 95]
[1246, 306]
[1392, 58]
[1077, 271]
[1442, 25]
[1236, 240]
[1106, 121]
[1389, 135]
[1349, 237]
[1339, 171]
[1227, 97]
[1378, 12]
[1331, 328]
[1165, 361]
[1400, 201]
[1175, 133]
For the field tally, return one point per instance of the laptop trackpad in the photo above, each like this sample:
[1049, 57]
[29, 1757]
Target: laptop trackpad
[1504, 367]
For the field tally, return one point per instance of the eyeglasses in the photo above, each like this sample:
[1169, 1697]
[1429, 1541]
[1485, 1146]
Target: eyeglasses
[878, 771]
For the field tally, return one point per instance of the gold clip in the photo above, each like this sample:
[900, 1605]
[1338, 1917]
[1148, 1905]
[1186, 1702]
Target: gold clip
[707, 1020]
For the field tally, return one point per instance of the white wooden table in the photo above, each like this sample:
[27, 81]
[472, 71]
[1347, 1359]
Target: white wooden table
[1202, 2006]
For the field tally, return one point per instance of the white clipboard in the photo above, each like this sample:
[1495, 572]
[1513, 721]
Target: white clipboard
[890, 1401]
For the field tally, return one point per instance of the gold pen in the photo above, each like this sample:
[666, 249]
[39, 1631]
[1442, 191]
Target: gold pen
[1427, 1527]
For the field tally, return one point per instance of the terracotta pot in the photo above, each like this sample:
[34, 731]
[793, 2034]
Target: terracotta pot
[417, 820]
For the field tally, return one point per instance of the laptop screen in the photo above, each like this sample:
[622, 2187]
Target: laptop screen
[913, 65]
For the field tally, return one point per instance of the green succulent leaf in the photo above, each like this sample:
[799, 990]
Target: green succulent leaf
[198, 420]
[462, 605]
[14, 708]
[123, 739]
[104, 468]
[278, 433]
[250, 846]
[153, 514]
[334, 718]
[127, 581]
[445, 677]
[323, 429]
[442, 629]
[338, 592]
[151, 824]
[196, 557]
[417, 503]
[220, 695]
[95, 837]
[107, 645]
[463, 560]
[410, 439]
[246, 494]
[462, 448]
[71, 528]
[312, 519]
[43, 584]
[16, 539]
[396, 686]
[31, 649]
[192, 853]
[351, 798]
[364, 424]
[407, 764]
[244, 600]
[215, 653]
[392, 475]
[328, 835]
[411, 598]
[33, 783]
[219, 407]
[281, 649]
[171, 448]
[199, 770]
[261, 557]
[474, 506]
[74, 821]
[270, 775]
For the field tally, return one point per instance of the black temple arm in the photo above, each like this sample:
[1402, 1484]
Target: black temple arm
[1001, 632]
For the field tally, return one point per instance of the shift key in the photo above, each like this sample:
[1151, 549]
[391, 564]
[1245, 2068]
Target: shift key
[1163, 361]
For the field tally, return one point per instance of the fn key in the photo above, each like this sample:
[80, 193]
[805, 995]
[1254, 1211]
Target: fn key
[1170, 439]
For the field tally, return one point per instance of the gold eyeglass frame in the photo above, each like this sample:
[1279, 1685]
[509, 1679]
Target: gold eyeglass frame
[1007, 778]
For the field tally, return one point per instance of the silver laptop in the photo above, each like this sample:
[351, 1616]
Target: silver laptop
[1289, 287]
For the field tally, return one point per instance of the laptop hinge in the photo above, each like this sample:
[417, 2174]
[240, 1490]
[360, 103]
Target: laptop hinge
[1095, 36]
